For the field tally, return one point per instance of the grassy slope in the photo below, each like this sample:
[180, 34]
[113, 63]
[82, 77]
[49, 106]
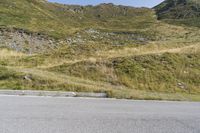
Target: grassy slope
[166, 66]
[169, 73]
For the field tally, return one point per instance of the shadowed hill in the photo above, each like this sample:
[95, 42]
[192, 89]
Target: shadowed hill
[180, 11]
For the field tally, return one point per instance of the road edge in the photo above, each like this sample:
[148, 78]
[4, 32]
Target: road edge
[52, 93]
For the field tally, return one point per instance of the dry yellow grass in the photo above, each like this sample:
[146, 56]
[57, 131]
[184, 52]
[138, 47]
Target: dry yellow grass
[148, 49]
[5, 53]
[152, 48]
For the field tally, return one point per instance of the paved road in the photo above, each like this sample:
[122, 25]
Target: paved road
[80, 115]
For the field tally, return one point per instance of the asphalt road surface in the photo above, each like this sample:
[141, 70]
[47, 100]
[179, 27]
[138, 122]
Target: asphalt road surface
[84, 115]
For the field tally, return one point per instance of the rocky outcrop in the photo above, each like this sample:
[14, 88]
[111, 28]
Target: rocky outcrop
[107, 37]
[24, 41]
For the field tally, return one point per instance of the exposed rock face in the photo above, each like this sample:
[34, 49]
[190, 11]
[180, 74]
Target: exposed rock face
[23, 41]
[106, 37]
[28, 42]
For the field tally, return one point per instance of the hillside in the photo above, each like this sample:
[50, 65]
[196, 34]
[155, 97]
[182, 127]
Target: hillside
[123, 51]
[61, 20]
[180, 12]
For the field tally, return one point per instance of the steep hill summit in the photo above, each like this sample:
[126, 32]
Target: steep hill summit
[182, 11]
